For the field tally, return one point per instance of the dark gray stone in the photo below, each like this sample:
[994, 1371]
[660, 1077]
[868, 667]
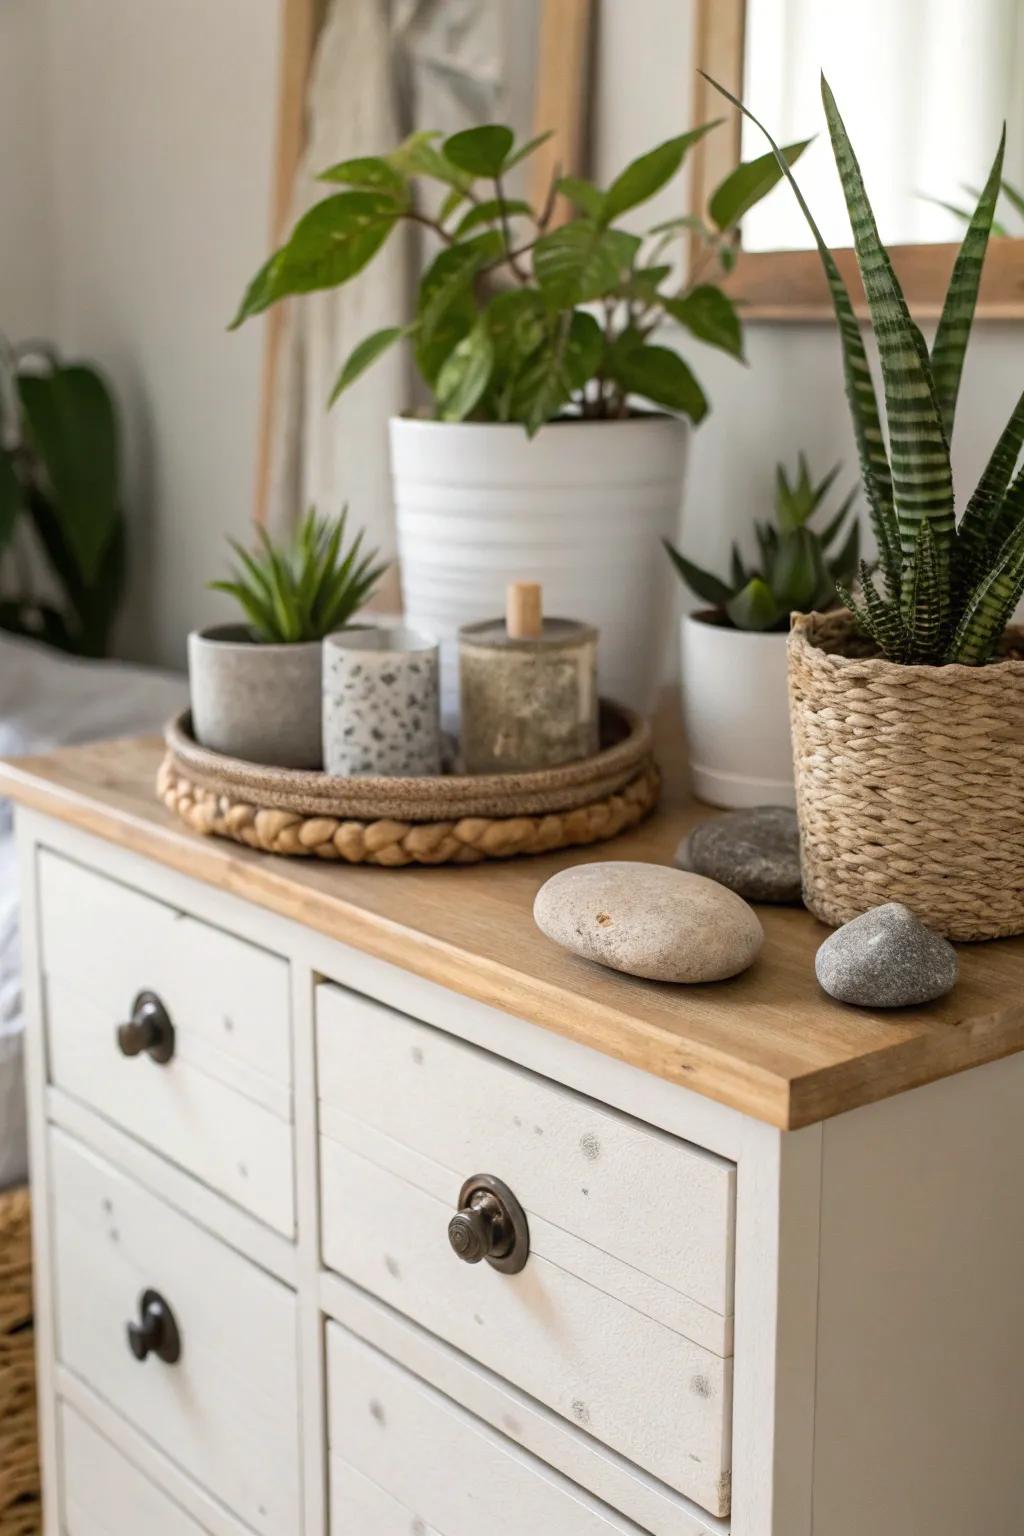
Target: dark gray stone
[886, 958]
[756, 853]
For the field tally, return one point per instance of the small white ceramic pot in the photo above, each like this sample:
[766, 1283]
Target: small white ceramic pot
[253, 701]
[736, 713]
[380, 703]
[581, 508]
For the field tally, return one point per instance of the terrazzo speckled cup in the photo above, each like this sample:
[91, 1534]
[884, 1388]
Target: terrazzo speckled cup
[380, 703]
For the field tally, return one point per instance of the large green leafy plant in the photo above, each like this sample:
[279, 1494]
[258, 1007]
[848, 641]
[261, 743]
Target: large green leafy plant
[517, 320]
[305, 588]
[797, 567]
[950, 587]
[60, 501]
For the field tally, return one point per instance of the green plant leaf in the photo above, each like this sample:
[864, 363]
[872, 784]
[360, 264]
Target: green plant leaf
[361, 357]
[327, 247]
[648, 174]
[797, 571]
[465, 374]
[843, 565]
[710, 316]
[881, 620]
[990, 605]
[1014, 197]
[657, 374]
[581, 261]
[832, 527]
[564, 362]
[587, 198]
[700, 582]
[480, 151]
[370, 171]
[954, 328]
[490, 212]
[11, 500]
[445, 309]
[755, 607]
[744, 187]
[860, 389]
[526, 149]
[919, 449]
[975, 530]
[738, 573]
[420, 156]
[73, 427]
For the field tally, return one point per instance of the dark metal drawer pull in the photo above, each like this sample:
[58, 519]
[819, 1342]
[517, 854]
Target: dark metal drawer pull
[490, 1224]
[156, 1332]
[149, 1030]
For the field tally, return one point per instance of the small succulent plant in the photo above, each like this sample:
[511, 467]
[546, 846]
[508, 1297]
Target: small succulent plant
[950, 587]
[796, 569]
[304, 589]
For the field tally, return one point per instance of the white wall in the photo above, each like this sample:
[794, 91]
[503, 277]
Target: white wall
[27, 270]
[160, 118]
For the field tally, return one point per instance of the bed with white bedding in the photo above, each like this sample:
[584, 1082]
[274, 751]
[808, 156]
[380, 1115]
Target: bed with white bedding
[49, 700]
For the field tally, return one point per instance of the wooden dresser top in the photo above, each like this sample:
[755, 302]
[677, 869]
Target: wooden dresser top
[768, 1043]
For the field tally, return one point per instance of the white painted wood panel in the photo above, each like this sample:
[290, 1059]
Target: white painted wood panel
[639, 1386]
[227, 1412]
[110, 941]
[104, 1495]
[196, 1119]
[449, 1474]
[659, 1205]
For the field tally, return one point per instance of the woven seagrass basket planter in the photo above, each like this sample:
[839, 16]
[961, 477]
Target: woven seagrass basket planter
[20, 1510]
[909, 781]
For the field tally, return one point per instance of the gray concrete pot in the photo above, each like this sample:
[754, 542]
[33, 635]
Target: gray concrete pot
[258, 702]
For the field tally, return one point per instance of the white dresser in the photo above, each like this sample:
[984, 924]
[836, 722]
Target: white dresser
[362, 1209]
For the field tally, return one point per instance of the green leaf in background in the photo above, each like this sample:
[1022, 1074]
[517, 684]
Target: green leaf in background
[587, 198]
[581, 261]
[490, 212]
[72, 425]
[527, 149]
[798, 573]
[367, 352]
[711, 317]
[333, 242]
[648, 174]
[370, 171]
[954, 328]
[10, 497]
[749, 183]
[445, 308]
[657, 374]
[465, 373]
[480, 151]
[565, 360]
[420, 156]
[702, 583]
[754, 607]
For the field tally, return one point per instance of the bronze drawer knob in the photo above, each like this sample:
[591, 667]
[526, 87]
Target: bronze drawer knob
[149, 1029]
[156, 1332]
[490, 1224]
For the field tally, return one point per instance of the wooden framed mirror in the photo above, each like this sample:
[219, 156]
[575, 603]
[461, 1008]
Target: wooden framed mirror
[931, 143]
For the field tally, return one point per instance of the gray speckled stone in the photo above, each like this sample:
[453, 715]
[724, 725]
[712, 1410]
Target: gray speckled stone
[649, 921]
[886, 958]
[756, 853]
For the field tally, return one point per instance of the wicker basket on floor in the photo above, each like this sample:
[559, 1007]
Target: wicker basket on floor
[20, 1507]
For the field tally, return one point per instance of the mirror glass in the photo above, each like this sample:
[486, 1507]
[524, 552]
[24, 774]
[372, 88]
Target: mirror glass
[924, 87]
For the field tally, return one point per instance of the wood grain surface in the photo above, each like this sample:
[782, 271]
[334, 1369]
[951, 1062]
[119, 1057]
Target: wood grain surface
[768, 1043]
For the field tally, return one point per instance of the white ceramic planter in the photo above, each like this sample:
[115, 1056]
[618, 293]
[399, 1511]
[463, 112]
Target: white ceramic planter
[582, 508]
[257, 702]
[736, 712]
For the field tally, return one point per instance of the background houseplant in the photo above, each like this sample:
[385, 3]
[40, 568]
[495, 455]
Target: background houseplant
[519, 324]
[62, 524]
[734, 653]
[908, 713]
[256, 687]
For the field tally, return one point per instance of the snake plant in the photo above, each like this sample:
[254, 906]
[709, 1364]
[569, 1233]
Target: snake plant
[796, 567]
[304, 590]
[950, 587]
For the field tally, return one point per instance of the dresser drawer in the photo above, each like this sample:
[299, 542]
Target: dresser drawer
[406, 1459]
[620, 1319]
[221, 1106]
[226, 1411]
[105, 1495]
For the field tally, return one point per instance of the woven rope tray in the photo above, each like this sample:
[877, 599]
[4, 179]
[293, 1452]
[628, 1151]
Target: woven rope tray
[450, 819]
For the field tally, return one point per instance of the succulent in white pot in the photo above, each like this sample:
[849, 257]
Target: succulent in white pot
[735, 703]
[256, 686]
[536, 341]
